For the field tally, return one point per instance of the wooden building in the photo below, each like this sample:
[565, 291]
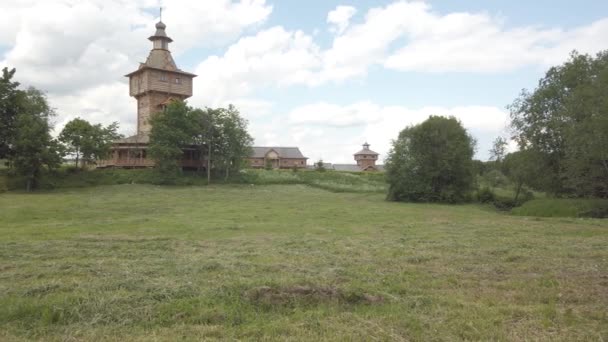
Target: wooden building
[366, 161]
[154, 85]
[277, 158]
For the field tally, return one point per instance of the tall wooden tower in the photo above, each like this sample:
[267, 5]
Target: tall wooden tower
[157, 81]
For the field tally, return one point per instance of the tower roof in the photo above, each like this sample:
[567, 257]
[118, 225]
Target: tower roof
[160, 33]
[366, 151]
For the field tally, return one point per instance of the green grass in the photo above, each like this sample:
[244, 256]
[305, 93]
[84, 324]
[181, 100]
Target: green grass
[330, 180]
[561, 207]
[291, 262]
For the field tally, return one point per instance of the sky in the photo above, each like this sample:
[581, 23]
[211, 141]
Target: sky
[322, 75]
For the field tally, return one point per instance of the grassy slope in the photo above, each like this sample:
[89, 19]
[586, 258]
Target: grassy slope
[561, 207]
[290, 262]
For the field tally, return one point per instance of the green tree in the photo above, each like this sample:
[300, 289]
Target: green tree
[564, 122]
[320, 166]
[205, 136]
[431, 162]
[172, 129]
[11, 103]
[33, 146]
[499, 149]
[235, 142]
[88, 142]
[521, 168]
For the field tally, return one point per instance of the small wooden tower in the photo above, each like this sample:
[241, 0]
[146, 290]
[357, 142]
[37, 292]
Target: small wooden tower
[157, 81]
[366, 158]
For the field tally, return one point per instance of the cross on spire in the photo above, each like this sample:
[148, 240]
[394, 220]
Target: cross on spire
[161, 14]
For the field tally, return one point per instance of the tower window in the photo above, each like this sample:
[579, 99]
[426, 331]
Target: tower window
[178, 80]
[163, 77]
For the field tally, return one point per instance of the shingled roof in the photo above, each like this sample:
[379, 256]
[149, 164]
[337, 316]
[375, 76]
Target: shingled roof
[135, 139]
[283, 152]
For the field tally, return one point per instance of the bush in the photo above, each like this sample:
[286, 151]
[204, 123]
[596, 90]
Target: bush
[431, 162]
[485, 195]
[495, 178]
[505, 203]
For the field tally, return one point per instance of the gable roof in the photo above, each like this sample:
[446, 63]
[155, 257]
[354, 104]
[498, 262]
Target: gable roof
[283, 152]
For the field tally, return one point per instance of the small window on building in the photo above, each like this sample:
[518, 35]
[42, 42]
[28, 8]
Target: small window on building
[163, 77]
[178, 80]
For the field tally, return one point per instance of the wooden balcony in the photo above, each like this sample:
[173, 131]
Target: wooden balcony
[142, 163]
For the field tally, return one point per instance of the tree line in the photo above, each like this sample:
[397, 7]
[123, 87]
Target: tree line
[29, 149]
[561, 129]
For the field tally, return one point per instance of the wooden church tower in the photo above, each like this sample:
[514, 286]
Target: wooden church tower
[154, 85]
[157, 81]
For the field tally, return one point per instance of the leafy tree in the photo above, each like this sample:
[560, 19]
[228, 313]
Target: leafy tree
[499, 149]
[564, 122]
[33, 146]
[172, 129]
[11, 103]
[235, 142]
[92, 142]
[522, 169]
[205, 136]
[431, 162]
[75, 135]
[220, 134]
[320, 166]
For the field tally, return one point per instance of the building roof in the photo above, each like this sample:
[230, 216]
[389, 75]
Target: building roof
[160, 59]
[160, 32]
[367, 151]
[283, 152]
[134, 139]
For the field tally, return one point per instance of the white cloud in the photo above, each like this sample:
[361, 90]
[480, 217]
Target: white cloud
[103, 104]
[402, 36]
[334, 132]
[78, 51]
[272, 57]
[339, 18]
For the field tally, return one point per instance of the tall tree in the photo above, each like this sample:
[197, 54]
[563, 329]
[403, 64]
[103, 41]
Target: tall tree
[172, 129]
[499, 149]
[431, 162]
[205, 137]
[11, 102]
[75, 136]
[88, 142]
[235, 144]
[33, 146]
[564, 121]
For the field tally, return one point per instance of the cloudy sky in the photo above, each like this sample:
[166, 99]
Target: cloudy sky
[323, 75]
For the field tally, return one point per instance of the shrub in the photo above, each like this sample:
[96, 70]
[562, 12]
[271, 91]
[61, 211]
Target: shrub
[431, 162]
[485, 195]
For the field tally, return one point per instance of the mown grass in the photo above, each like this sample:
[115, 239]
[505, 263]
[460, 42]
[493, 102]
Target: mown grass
[563, 207]
[290, 262]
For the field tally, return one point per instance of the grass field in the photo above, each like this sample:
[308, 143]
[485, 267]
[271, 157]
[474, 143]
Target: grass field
[291, 262]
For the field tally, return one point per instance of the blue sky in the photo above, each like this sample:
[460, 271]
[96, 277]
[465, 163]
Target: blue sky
[322, 75]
